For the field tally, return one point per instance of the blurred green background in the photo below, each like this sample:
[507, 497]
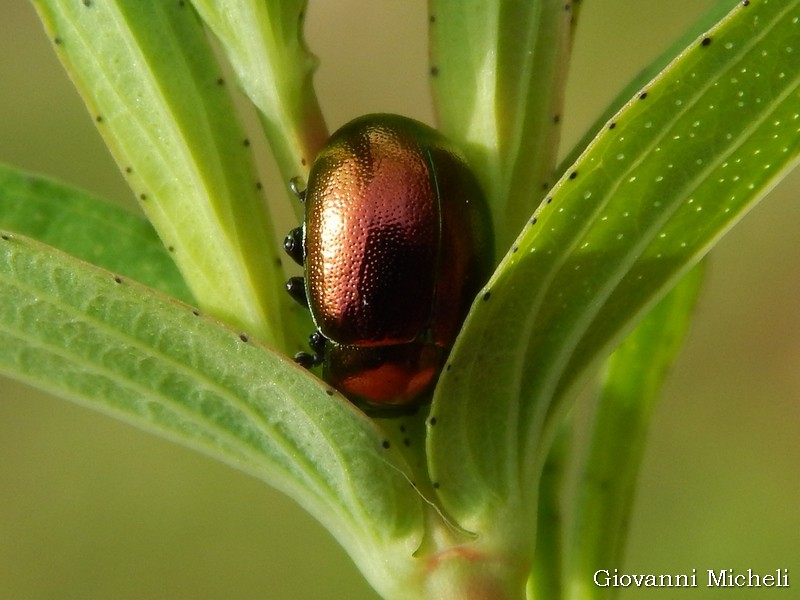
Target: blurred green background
[94, 509]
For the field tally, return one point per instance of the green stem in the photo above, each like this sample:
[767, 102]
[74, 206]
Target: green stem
[468, 572]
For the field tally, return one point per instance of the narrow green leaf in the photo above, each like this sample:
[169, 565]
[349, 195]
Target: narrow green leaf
[666, 178]
[263, 42]
[546, 580]
[498, 74]
[633, 378]
[715, 14]
[117, 347]
[88, 228]
[147, 73]
[588, 481]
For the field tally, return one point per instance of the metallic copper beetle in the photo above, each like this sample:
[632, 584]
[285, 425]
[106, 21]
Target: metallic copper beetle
[397, 240]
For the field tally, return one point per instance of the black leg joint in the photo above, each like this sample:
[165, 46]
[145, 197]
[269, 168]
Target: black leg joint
[293, 245]
[296, 287]
[317, 343]
[306, 360]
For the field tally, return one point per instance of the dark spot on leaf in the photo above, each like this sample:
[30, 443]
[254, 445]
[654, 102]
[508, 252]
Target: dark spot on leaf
[432, 19]
[243, 337]
[142, 197]
[406, 442]
[129, 170]
[643, 95]
[515, 249]
[612, 125]
[117, 279]
[706, 41]
[549, 199]
[386, 445]
[258, 185]
[221, 81]
[432, 421]
[87, 3]
[556, 118]
[246, 143]
[486, 296]
[448, 366]
[57, 41]
[5, 236]
[533, 221]
[434, 71]
[181, 3]
[573, 175]
[99, 118]
[745, 2]
[545, 186]
[195, 312]
[330, 391]
[171, 248]
[435, 485]
[402, 428]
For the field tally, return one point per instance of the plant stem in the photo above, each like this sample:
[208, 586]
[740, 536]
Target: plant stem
[469, 573]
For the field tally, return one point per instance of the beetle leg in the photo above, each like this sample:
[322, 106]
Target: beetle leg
[294, 186]
[305, 360]
[297, 290]
[317, 343]
[293, 245]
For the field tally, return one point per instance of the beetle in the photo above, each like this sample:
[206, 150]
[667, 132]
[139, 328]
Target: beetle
[395, 244]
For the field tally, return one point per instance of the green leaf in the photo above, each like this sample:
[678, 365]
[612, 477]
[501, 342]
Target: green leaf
[633, 378]
[588, 482]
[547, 572]
[88, 228]
[263, 42]
[679, 164]
[150, 79]
[498, 74]
[117, 347]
